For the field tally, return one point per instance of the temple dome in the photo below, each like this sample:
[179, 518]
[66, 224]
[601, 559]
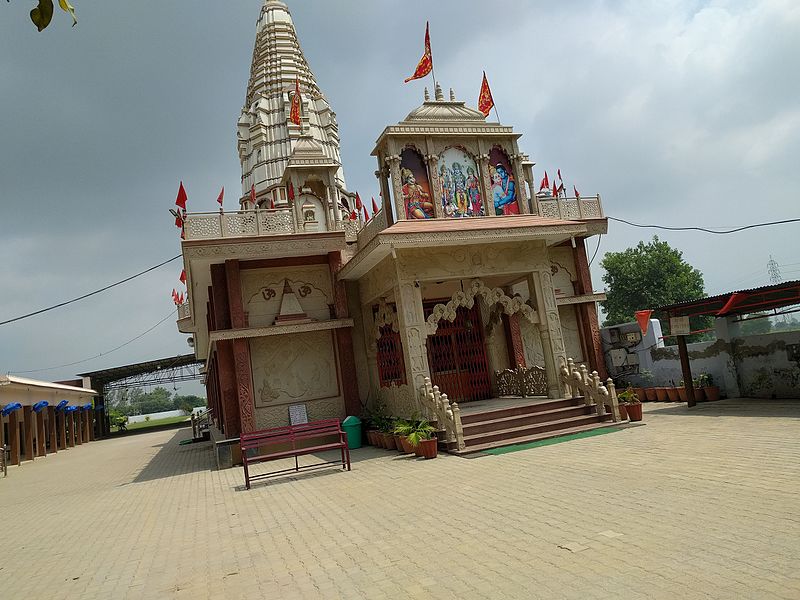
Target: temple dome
[440, 110]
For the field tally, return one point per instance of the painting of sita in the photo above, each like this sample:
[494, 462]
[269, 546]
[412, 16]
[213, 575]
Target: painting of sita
[461, 189]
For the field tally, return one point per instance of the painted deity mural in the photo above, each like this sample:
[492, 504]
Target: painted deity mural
[461, 185]
[504, 189]
[416, 187]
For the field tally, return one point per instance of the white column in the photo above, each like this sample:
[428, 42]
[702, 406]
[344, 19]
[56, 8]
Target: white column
[541, 288]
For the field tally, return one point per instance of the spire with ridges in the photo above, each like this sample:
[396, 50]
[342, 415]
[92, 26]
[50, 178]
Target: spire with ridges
[266, 137]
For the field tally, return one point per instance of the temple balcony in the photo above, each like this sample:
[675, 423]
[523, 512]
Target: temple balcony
[185, 318]
[258, 222]
[570, 209]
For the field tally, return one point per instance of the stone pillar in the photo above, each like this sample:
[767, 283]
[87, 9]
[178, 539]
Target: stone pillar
[41, 437]
[27, 429]
[13, 438]
[333, 202]
[527, 168]
[368, 321]
[386, 196]
[541, 288]
[587, 312]
[344, 339]
[519, 179]
[413, 333]
[432, 162]
[393, 161]
[52, 430]
[730, 374]
[486, 185]
[241, 350]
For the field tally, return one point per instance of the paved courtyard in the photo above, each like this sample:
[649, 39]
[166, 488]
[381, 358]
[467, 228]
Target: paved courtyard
[704, 505]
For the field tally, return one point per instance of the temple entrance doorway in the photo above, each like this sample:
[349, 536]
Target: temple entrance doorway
[457, 356]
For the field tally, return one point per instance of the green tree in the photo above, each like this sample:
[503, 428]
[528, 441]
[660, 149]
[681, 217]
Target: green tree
[756, 324]
[650, 275]
[42, 14]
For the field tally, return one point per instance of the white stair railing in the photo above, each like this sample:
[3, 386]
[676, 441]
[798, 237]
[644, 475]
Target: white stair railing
[437, 406]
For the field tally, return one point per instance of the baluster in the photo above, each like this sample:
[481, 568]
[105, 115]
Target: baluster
[585, 385]
[612, 393]
[457, 426]
[601, 394]
[446, 411]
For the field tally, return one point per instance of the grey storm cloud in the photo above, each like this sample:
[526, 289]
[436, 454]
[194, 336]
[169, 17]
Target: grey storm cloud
[677, 113]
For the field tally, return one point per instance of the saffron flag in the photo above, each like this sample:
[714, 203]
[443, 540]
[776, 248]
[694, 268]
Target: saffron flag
[366, 214]
[555, 190]
[294, 113]
[358, 202]
[178, 220]
[425, 65]
[291, 192]
[221, 196]
[253, 194]
[545, 185]
[577, 195]
[181, 199]
[180, 298]
[485, 100]
[374, 206]
[182, 278]
[353, 216]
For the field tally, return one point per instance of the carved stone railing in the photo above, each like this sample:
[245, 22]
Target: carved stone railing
[579, 382]
[183, 311]
[373, 227]
[351, 229]
[437, 407]
[571, 209]
[522, 382]
[243, 223]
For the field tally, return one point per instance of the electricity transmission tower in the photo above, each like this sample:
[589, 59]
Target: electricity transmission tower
[774, 270]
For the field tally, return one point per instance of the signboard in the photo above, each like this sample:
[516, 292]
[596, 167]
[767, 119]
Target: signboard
[298, 414]
[679, 326]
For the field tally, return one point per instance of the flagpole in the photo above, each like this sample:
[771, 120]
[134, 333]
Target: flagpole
[496, 114]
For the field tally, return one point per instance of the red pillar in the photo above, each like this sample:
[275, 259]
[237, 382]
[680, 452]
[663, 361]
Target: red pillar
[71, 425]
[516, 349]
[52, 429]
[28, 426]
[61, 421]
[78, 420]
[41, 438]
[587, 312]
[344, 340]
[241, 349]
[220, 320]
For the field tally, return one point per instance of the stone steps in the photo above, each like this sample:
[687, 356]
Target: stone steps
[534, 438]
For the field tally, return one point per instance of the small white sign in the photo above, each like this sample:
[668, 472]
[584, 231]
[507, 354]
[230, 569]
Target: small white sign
[298, 414]
[679, 326]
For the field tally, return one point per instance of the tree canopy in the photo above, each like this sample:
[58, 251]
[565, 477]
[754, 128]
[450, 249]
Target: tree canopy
[650, 275]
[133, 401]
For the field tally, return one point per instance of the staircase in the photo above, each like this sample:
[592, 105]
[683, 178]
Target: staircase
[531, 422]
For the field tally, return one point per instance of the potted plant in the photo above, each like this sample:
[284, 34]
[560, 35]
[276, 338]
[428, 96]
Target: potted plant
[672, 393]
[387, 433]
[706, 381]
[632, 404]
[647, 381]
[623, 406]
[424, 440]
[402, 429]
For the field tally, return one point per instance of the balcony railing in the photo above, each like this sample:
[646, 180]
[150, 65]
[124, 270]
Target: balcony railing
[257, 222]
[183, 311]
[571, 209]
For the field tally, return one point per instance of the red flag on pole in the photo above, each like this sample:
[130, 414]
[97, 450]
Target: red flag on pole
[182, 278]
[291, 192]
[178, 220]
[425, 65]
[643, 318]
[366, 214]
[353, 216]
[180, 298]
[174, 295]
[294, 113]
[485, 100]
[545, 185]
[555, 190]
[577, 195]
[181, 199]
[253, 194]
[374, 206]
[221, 196]
[358, 202]
[559, 176]
[272, 202]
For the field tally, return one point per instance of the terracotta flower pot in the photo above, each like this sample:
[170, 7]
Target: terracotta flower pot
[635, 412]
[388, 441]
[700, 394]
[712, 393]
[407, 447]
[429, 448]
[640, 393]
[398, 443]
[650, 394]
[371, 435]
[672, 394]
[661, 394]
[623, 412]
[682, 394]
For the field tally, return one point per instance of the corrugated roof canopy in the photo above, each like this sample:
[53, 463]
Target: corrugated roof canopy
[104, 376]
[738, 303]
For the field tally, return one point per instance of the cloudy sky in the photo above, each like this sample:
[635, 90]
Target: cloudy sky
[677, 112]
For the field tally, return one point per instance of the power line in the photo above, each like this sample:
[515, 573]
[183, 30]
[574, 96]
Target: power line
[77, 362]
[734, 230]
[599, 237]
[103, 289]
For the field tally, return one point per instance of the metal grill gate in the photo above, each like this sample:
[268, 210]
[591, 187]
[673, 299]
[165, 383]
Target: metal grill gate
[457, 356]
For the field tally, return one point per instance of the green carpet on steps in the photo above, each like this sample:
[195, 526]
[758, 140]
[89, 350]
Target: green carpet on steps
[551, 441]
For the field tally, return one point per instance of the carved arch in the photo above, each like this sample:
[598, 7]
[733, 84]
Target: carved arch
[491, 296]
[386, 315]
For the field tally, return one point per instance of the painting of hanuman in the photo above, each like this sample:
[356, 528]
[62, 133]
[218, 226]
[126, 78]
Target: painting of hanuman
[417, 201]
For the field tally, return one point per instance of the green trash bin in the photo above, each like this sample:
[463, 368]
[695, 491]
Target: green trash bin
[352, 428]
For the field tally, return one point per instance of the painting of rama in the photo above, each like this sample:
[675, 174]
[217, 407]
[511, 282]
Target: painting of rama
[461, 189]
[415, 186]
[504, 190]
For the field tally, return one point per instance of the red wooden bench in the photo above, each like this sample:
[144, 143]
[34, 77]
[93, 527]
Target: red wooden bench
[293, 438]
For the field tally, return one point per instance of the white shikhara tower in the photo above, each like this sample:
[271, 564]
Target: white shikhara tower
[273, 150]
